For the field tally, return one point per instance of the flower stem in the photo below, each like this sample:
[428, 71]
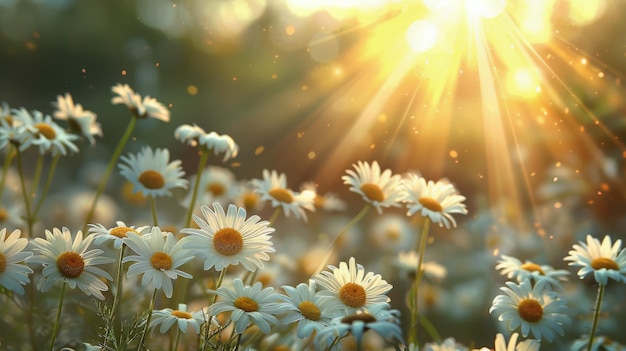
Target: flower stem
[274, 216]
[20, 169]
[155, 219]
[204, 156]
[36, 176]
[55, 331]
[414, 293]
[177, 339]
[596, 315]
[109, 169]
[46, 187]
[220, 279]
[148, 319]
[118, 282]
[5, 168]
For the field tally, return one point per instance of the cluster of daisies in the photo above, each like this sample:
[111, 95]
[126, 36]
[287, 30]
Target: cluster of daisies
[202, 284]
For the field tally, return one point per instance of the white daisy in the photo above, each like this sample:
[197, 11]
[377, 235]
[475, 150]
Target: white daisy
[188, 134]
[83, 122]
[248, 304]
[407, 264]
[219, 144]
[217, 184]
[158, 259]
[501, 345]
[312, 311]
[13, 272]
[378, 189]
[534, 309]
[226, 239]
[273, 188]
[11, 130]
[67, 259]
[605, 260]
[449, 344]
[117, 233]
[146, 108]
[167, 317]
[151, 172]
[329, 202]
[435, 200]
[350, 288]
[515, 269]
[42, 131]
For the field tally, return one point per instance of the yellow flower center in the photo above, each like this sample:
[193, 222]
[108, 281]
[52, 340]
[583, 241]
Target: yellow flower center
[9, 119]
[533, 267]
[373, 192]
[120, 232]
[246, 304]
[282, 195]
[352, 295]
[161, 261]
[365, 317]
[227, 241]
[128, 195]
[604, 262]
[250, 200]
[281, 348]
[182, 314]
[430, 204]
[3, 214]
[318, 201]
[309, 310]
[216, 189]
[46, 130]
[530, 310]
[3, 262]
[70, 264]
[152, 179]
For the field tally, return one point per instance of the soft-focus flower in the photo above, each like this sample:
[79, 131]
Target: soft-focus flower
[146, 108]
[83, 122]
[407, 264]
[435, 200]
[68, 260]
[158, 259]
[230, 238]
[600, 343]
[605, 260]
[13, 272]
[217, 184]
[513, 268]
[188, 134]
[248, 304]
[10, 127]
[273, 187]
[328, 202]
[117, 233]
[501, 345]
[533, 309]
[378, 189]
[42, 131]
[167, 317]
[449, 344]
[151, 172]
[312, 311]
[350, 288]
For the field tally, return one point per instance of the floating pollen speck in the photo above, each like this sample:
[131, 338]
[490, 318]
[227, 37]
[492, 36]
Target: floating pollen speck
[259, 150]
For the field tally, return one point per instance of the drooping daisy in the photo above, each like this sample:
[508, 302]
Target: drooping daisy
[501, 345]
[606, 260]
[248, 304]
[273, 188]
[82, 122]
[167, 317]
[13, 272]
[312, 311]
[67, 259]
[219, 144]
[230, 238]
[141, 108]
[378, 189]
[351, 289]
[513, 268]
[151, 172]
[449, 344]
[534, 309]
[42, 131]
[188, 134]
[158, 258]
[117, 233]
[435, 200]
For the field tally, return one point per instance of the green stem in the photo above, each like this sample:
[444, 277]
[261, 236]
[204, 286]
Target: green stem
[118, 282]
[596, 315]
[274, 216]
[148, 319]
[201, 164]
[20, 169]
[109, 169]
[414, 294]
[220, 279]
[55, 331]
[155, 219]
[46, 188]
[36, 176]
[5, 168]
[177, 338]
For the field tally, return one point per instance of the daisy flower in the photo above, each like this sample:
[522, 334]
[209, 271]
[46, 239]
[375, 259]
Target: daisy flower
[513, 268]
[312, 311]
[217, 184]
[141, 108]
[117, 233]
[188, 134]
[273, 188]
[226, 239]
[42, 131]
[248, 304]
[407, 264]
[151, 173]
[158, 259]
[168, 317]
[83, 122]
[449, 344]
[219, 144]
[328, 202]
[435, 200]
[501, 345]
[350, 288]
[606, 260]
[534, 309]
[67, 259]
[600, 343]
[13, 272]
[378, 189]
